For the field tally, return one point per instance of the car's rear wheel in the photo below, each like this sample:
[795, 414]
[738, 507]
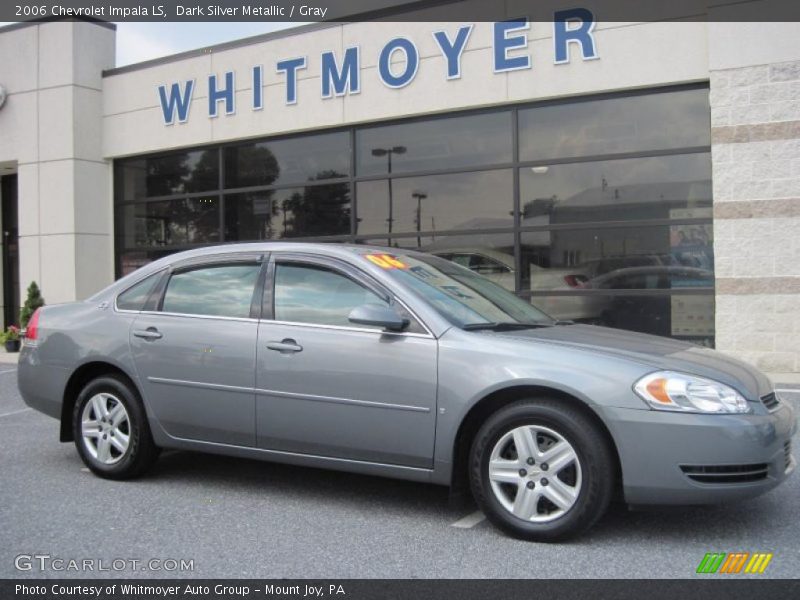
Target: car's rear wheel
[541, 471]
[111, 431]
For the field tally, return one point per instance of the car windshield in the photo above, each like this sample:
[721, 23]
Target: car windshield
[466, 299]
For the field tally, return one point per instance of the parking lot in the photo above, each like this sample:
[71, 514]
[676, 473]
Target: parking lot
[239, 518]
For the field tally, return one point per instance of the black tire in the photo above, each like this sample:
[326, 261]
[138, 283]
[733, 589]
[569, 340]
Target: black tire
[597, 466]
[141, 452]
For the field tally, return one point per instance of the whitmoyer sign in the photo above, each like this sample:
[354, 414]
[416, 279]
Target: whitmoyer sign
[572, 32]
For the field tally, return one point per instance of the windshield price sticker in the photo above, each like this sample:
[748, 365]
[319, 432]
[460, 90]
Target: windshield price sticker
[386, 261]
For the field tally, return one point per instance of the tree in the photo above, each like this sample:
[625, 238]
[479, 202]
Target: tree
[32, 302]
[319, 210]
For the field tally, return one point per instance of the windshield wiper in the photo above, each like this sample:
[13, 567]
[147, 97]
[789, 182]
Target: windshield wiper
[504, 326]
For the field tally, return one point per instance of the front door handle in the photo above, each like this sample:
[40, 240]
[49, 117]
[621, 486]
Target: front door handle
[286, 346]
[150, 334]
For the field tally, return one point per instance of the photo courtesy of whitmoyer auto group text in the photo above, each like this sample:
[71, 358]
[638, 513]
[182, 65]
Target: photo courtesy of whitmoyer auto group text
[400, 299]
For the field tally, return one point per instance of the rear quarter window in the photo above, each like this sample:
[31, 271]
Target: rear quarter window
[135, 297]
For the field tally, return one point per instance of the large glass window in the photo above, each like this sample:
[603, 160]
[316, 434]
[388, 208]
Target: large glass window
[658, 187]
[478, 200]
[684, 316]
[308, 294]
[618, 258]
[222, 291]
[320, 210]
[664, 121]
[130, 260]
[594, 208]
[177, 173]
[169, 222]
[289, 161]
[449, 143]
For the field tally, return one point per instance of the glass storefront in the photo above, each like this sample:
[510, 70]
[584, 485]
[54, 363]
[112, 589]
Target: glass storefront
[596, 209]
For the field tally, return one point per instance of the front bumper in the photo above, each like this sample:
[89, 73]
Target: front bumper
[745, 455]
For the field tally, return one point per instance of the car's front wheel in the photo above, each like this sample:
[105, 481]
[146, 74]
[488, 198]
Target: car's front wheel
[111, 431]
[541, 471]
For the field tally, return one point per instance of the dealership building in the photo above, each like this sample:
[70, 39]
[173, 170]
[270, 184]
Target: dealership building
[640, 175]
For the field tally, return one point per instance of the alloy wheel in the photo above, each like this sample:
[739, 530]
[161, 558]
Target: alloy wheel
[535, 473]
[105, 428]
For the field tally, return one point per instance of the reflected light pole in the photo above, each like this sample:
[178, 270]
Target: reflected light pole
[387, 152]
[420, 196]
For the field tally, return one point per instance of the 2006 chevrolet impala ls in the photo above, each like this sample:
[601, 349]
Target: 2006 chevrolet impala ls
[405, 365]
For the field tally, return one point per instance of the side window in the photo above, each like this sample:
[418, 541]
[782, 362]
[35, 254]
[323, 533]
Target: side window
[219, 291]
[459, 259]
[308, 294]
[487, 266]
[135, 296]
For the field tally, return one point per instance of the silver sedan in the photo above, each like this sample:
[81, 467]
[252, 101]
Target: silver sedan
[405, 365]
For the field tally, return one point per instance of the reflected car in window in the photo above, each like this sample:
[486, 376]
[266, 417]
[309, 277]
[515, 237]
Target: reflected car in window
[648, 314]
[399, 364]
[499, 267]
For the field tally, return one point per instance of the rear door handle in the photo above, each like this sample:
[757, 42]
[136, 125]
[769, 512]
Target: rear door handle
[150, 334]
[287, 346]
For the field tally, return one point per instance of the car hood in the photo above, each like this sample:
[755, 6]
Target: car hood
[657, 352]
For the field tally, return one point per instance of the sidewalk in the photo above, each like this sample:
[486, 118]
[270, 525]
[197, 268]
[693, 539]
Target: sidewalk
[8, 358]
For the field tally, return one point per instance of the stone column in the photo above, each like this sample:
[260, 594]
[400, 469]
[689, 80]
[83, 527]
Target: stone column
[52, 129]
[755, 120]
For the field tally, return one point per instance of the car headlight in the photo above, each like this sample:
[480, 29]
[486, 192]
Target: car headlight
[666, 390]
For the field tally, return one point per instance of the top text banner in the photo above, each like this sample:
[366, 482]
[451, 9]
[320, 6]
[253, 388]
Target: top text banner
[395, 10]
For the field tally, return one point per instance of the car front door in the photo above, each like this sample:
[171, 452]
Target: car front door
[329, 388]
[195, 351]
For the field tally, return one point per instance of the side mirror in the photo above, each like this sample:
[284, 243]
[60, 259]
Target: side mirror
[378, 315]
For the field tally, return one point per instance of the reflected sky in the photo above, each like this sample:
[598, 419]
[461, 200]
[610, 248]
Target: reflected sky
[218, 291]
[307, 295]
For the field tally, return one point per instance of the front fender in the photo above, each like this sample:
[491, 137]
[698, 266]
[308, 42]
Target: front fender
[474, 366]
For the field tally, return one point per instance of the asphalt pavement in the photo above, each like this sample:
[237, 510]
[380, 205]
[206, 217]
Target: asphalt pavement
[243, 518]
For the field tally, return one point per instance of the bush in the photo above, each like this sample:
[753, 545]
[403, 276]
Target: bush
[32, 302]
[10, 335]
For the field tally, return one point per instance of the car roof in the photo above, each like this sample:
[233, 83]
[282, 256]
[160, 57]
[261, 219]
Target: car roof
[344, 251]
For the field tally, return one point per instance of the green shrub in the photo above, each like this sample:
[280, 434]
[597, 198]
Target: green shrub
[32, 302]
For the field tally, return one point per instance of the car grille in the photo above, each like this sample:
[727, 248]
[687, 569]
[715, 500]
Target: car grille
[787, 452]
[770, 401]
[726, 473]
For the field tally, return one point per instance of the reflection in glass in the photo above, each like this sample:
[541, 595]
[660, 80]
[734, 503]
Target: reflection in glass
[318, 296]
[678, 119]
[448, 143]
[295, 212]
[660, 257]
[129, 261]
[135, 297]
[436, 203]
[224, 291]
[459, 295]
[288, 161]
[615, 190]
[178, 173]
[170, 222]
[682, 316]
[488, 254]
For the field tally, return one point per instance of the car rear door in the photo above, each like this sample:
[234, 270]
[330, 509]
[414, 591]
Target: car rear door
[327, 387]
[195, 350]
